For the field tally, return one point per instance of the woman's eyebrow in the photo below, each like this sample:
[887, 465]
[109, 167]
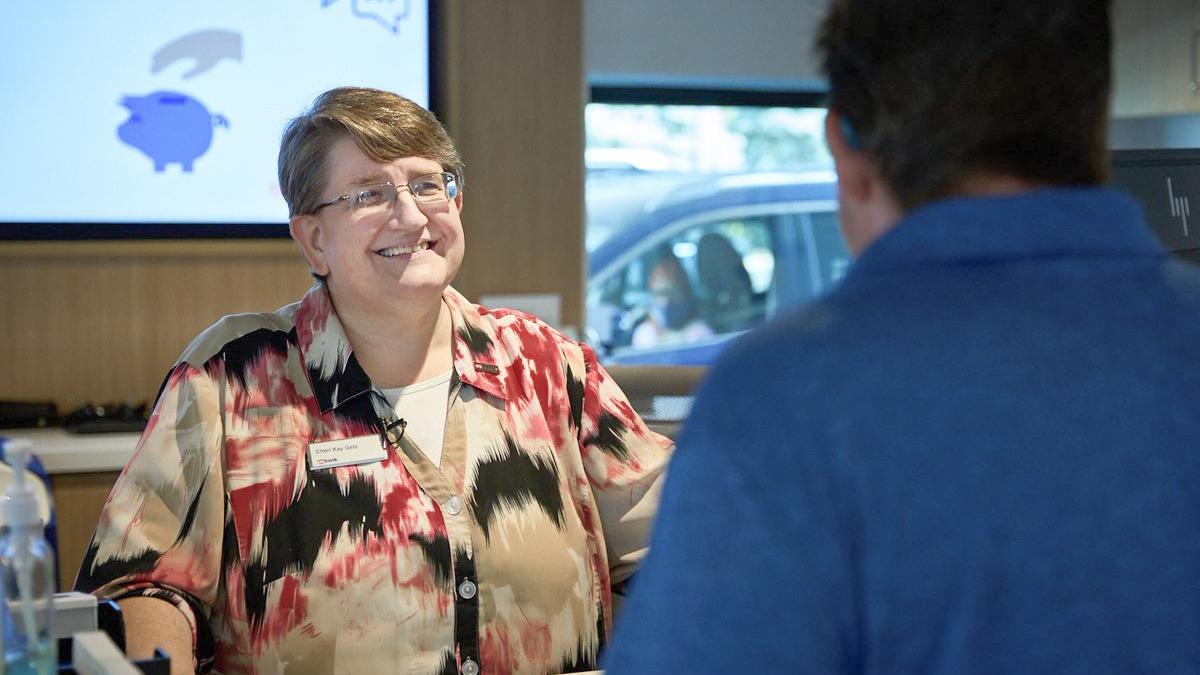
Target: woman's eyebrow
[373, 177]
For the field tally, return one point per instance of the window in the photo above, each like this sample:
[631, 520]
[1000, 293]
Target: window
[690, 286]
[703, 222]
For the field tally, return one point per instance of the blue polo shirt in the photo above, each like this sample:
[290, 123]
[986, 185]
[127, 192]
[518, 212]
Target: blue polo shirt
[979, 454]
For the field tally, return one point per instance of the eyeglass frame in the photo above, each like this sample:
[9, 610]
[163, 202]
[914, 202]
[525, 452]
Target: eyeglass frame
[449, 183]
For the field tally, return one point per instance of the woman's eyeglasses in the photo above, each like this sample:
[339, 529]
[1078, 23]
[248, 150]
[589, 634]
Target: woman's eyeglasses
[433, 188]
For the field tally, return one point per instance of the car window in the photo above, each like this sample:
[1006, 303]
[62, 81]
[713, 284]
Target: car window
[699, 181]
[832, 256]
[694, 285]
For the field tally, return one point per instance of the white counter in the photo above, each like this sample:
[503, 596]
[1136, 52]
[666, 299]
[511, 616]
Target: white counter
[63, 452]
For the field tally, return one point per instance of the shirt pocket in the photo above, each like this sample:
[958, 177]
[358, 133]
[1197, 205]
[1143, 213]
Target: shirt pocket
[264, 467]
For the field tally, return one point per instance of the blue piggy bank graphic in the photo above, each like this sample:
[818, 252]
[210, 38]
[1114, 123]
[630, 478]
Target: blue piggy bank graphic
[168, 127]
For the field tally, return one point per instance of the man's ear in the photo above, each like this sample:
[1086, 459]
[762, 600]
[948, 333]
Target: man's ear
[854, 168]
[458, 201]
[867, 206]
[308, 231]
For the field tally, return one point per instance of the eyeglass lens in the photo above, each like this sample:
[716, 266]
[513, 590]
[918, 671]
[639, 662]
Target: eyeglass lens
[429, 188]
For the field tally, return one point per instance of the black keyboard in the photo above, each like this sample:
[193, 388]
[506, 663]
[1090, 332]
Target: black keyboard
[100, 419]
[27, 414]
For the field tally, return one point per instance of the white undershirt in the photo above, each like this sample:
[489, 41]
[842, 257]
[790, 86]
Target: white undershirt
[423, 405]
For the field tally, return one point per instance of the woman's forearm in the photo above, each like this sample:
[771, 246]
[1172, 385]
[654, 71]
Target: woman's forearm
[151, 623]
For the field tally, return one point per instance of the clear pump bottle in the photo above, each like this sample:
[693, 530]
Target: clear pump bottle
[26, 577]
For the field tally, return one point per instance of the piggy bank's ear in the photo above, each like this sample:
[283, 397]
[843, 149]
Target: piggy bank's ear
[308, 233]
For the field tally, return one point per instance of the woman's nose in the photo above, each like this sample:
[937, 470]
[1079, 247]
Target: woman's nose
[406, 211]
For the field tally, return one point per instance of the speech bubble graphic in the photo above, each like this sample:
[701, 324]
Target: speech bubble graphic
[387, 13]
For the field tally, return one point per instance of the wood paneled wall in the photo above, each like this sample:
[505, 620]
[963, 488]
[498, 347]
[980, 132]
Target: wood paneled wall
[102, 321]
[78, 499]
[514, 91]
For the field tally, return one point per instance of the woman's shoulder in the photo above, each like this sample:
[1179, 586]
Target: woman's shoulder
[526, 327]
[501, 321]
[232, 328]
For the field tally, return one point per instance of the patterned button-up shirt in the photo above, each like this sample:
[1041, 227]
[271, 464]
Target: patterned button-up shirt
[500, 560]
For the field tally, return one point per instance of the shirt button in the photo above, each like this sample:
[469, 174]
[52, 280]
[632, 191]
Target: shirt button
[469, 667]
[467, 589]
[454, 505]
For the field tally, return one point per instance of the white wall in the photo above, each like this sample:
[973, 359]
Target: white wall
[1155, 61]
[769, 43]
[736, 43]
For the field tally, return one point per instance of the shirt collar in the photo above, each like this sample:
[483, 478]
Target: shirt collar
[337, 377]
[479, 354]
[1090, 221]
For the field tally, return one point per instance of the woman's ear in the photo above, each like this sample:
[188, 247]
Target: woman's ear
[309, 233]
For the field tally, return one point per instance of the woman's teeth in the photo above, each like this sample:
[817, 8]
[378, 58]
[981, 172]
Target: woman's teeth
[402, 250]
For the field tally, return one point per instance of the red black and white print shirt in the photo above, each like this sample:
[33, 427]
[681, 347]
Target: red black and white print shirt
[500, 560]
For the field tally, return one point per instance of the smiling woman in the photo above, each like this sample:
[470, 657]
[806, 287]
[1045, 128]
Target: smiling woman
[382, 473]
[386, 257]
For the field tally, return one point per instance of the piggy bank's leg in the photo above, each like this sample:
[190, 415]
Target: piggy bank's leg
[160, 165]
[187, 165]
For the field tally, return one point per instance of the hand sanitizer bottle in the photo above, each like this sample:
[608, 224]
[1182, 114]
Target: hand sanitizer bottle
[26, 576]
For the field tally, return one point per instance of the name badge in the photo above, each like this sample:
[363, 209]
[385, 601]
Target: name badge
[345, 451]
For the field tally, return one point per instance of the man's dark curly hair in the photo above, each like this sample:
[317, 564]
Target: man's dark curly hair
[938, 92]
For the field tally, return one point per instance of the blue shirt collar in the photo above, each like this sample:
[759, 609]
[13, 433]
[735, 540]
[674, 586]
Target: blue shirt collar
[1038, 224]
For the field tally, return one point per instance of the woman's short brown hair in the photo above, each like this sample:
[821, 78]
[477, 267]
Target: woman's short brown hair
[385, 126]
